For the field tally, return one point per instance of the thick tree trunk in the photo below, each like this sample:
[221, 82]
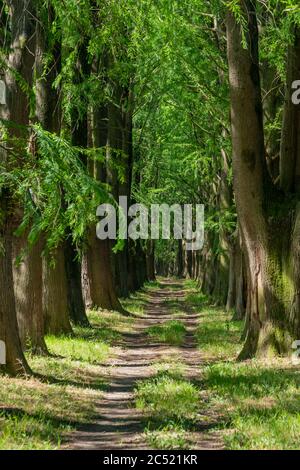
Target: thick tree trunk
[48, 114]
[76, 304]
[15, 360]
[101, 289]
[28, 274]
[290, 138]
[150, 261]
[100, 286]
[270, 296]
[180, 259]
[79, 138]
[231, 294]
[55, 300]
[236, 292]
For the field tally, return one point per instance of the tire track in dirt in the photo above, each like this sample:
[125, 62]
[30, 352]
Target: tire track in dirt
[118, 424]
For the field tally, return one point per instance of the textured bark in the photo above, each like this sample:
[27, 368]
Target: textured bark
[86, 283]
[180, 259]
[248, 155]
[15, 360]
[150, 261]
[28, 273]
[79, 138]
[266, 240]
[27, 276]
[55, 300]
[100, 287]
[222, 260]
[48, 114]
[236, 292]
[231, 294]
[117, 142]
[290, 138]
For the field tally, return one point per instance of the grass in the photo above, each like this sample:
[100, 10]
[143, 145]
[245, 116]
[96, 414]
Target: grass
[135, 303]
[38, 412]
[170, 332]
[170, 405]
[260, 402]
[253, 405]
[257, 402]
[217, 335]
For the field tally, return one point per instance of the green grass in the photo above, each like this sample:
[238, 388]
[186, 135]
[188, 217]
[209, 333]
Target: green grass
[170, 332]
[257, 402]
[260, 403]
[135, 304]
[170, 405]
[217, 335]
[38, 412]
[169, 437]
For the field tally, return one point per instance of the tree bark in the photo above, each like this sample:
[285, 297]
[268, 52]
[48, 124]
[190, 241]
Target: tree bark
[270, 296]
[290, 136]
[15, 360]
[55, 300]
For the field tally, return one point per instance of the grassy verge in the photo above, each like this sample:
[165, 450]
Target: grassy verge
[258, 402]
[170, 332]
[38, 412]
[170, 405]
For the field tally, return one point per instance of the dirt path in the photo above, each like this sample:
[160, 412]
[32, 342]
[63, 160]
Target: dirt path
[119, 425]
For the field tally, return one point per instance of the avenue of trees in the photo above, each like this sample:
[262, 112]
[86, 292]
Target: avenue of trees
[162, 101]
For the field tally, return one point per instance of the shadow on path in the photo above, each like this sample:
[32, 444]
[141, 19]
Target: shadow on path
[118, 424]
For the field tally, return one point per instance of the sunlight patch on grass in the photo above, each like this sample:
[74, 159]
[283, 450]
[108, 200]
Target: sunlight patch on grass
[262, 403]
[165, 397]
[36, 413]
[135, 304]
[171, 332]
[170, 405]
[217, 335]
[78, 349]
[169, 365]
[109, 324]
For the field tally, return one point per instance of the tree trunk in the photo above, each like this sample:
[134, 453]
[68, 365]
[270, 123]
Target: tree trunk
[76, 304]
[180, 259]
[150, 261]
[99, 276]
[48, 114]
[79, 138]
[55, 300]
[290, 139]
[266, 239]
[15, 360]
[27, 276]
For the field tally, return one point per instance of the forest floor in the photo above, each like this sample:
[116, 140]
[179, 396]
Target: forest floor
[164, 378]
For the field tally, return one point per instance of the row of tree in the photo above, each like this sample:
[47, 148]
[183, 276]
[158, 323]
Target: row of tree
[170, 101]
[229, 124]
[66, 147]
